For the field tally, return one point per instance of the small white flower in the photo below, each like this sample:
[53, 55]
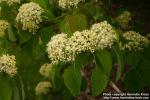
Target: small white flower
[43, 87]
[3, 27]
[68, 3]
[30, 16]
[10, 2]
[8, 65]
[134, 41]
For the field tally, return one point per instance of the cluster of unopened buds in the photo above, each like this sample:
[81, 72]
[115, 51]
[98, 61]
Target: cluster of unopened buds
[124, 19]
[45, 70]
[43, 87]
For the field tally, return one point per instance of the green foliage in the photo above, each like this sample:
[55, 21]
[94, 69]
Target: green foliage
[72, 80]
[72, 23]
[5, 88]
[6, 13]
[24, 36]
[120, 63]
[16, 93]
[11, 34]
[144, 70]
[132, 58]
[42, 3]
[83, 59]
[99, 81]
[68, 78]
[105, 58]
[133, 81]
[56, 78]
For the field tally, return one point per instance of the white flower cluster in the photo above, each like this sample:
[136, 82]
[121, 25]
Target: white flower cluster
[68, 3]
[3, 27]
[134, 41]
[30, 16]
[62, 48]
[56, 48]
[10, 2]
[106, 35]
[123, 19]
[43, 87]
[82, 41]
[8, 65]
[45, 70]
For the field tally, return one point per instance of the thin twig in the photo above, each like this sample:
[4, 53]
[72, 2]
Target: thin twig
[114, 86]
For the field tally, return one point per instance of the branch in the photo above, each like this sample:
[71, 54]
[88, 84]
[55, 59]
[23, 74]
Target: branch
[114, 86]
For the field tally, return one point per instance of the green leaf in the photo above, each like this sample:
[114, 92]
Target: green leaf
[132, 58]
[144, 70]
[90, 8]
[6, 13]
[18, 88]
[99, 81]
[2, 41]
[48, 14]
[120, 61]
[146, 53]
[95, 11]
[2, 51]
[42, 3]
[72, 23]
[66, 95]
[11, 33]
[72, 80]
[56, 77]
[105, 58]
[5, 88]
[15, 93]
[38, 50]
[24, 36]
[46, 33]
[83, 85]
[133, 81]
[83, 59]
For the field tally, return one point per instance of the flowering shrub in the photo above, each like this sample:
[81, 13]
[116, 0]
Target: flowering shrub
[63, 49]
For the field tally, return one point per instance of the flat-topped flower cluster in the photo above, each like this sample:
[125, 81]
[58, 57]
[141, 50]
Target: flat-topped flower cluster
[63, 48]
